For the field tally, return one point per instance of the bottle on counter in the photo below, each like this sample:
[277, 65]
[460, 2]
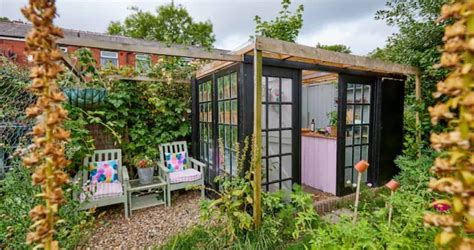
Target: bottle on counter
[312, 126]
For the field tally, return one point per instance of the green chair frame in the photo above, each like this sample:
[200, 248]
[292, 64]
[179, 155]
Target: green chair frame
[83, 176]
[176, 147]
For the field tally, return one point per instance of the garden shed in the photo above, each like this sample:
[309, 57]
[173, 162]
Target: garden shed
[301, 87]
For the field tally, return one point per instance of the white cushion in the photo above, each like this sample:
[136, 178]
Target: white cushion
[187, 175]
[101, 190]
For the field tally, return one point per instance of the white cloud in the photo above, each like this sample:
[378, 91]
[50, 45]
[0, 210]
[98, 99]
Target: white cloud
[362, 35]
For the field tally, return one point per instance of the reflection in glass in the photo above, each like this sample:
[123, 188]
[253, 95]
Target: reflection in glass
[273, 169]
[286, 141]
[286, 170]
[273, 89]
[273, 142]
[286, 93]
[274, 116]
[348, 157]
[286, 113]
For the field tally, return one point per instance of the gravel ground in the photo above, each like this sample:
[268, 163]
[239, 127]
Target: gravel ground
[317, 194]
[146, 227]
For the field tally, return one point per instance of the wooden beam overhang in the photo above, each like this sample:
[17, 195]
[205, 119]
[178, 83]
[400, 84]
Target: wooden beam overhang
[153, 47]
[312, 55]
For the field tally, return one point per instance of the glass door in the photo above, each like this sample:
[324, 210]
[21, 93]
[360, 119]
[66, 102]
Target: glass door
[277, 132]
[354, 142]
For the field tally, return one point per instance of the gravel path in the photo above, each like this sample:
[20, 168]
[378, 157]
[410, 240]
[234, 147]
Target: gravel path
[146, 227]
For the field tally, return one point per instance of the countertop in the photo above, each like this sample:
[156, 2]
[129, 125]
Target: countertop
[317, 135]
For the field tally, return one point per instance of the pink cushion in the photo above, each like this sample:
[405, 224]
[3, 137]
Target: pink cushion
[101, 190]
[186, 175]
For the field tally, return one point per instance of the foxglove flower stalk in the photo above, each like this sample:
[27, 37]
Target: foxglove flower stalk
[46, 156]
[454, 167]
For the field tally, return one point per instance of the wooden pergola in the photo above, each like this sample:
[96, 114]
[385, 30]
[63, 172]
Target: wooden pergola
[259, 49]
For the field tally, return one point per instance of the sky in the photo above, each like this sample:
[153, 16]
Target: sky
[348, 22]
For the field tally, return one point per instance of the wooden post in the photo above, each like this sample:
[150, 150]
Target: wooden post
[390, 209]
[356, 205]
[257, 132]
[418, 102]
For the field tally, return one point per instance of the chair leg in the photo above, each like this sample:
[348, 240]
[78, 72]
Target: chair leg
[126, 209]
[168, 191]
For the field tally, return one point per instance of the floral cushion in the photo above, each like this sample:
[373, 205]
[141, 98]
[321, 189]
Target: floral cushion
[176, 161]
[103, 171]
[187, 175]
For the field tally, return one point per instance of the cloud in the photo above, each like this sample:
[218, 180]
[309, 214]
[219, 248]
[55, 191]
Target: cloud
[348, 22]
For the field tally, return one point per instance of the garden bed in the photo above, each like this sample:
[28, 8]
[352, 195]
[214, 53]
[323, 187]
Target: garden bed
[147, 227]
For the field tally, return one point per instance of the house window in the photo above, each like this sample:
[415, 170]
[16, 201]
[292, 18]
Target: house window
[142, 62]
[109, 58]
[63, 49]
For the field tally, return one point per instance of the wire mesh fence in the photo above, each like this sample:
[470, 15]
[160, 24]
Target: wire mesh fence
[14, 124]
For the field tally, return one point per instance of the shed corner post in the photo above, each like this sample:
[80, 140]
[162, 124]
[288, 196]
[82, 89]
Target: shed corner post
[257, 128]
[418, 102]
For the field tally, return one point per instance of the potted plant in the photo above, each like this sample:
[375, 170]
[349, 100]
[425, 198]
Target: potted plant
[145, 169]
[332, 122]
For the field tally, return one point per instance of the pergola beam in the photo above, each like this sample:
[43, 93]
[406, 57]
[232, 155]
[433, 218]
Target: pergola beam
[330, 58]
[153, 47]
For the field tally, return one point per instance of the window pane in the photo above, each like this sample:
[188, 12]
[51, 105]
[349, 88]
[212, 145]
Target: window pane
[220, 88]
[286, 185]
[264, 89]
[356, 154]
[286, 144]
[274, 116]
[274, 187]
[350, 114]
[348, 157]
[227, 112]
[347, 177]
[108, 61]
[234, 112]
[286, 114]
[264, 143]
[286, 170]
[273, 142]
[349, 131]
[286, 87]
[358, 114]
[233, 79]
[366, 110]
[109, 54]
[234, 136]
[273, 169]
[366, 98]
[357, 135]
[221, 112]
[350, 93]
[264, 116]
[274, 89]
[365, 134]
[226, 86]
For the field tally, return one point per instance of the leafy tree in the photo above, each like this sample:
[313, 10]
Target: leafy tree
[335, 47]
[418, 44]
[285, 27]
[4, 19]
[169, 24]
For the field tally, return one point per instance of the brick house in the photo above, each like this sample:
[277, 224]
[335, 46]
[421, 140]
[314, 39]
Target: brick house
[12, 45]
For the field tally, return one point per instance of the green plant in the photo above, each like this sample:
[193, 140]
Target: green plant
[285, 27]
[332, 118]
[285, 215]
[17, 198]
[335, 47]
[454, 111]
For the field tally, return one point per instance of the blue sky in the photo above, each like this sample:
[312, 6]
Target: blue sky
[350, 22]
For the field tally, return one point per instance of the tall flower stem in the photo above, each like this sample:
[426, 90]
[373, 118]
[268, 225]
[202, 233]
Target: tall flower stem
[46, 154]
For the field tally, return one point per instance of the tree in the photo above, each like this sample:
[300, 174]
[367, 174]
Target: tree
[169, 24]
[4, 19]
[335, 47]
[418, 44]
[285, 27]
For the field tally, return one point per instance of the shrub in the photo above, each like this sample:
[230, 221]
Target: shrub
[18, 197]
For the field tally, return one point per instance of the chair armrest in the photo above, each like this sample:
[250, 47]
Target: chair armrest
[200, 165]
[163, 170]
[126, 177]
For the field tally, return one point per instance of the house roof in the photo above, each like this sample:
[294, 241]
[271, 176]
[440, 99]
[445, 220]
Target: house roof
[120, 43]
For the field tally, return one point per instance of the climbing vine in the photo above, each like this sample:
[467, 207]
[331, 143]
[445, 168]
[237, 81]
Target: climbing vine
[455, 164]
[46, 154]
